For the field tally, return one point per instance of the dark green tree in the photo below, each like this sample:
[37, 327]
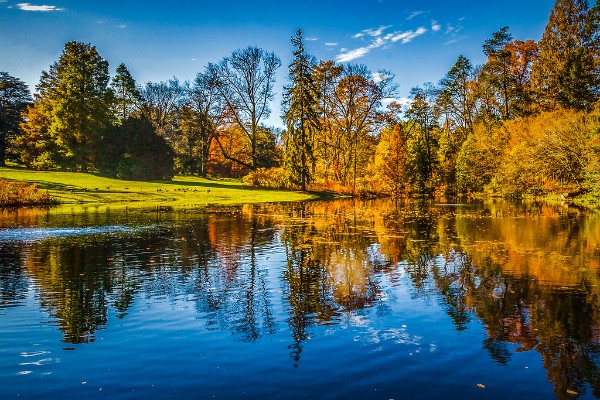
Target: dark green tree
[133, 150]
[127, 96]
[422, 124]
[14, 96]
[566, 71]
[497, 72]
[301, 115]
[80, 101]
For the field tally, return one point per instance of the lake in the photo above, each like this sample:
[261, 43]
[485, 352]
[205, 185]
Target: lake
[324, 300]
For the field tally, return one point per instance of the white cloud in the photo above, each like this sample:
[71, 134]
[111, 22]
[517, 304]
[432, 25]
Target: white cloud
[373, 32]
[311, 39]
[123, 26]
[408, 36]
[435, 26]
[380, 76]
[403, 101]
[353, 54]
[378, 40]
[415, 14]
[331, 44]
[31, 7]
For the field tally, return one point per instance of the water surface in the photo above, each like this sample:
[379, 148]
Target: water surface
[328, 300]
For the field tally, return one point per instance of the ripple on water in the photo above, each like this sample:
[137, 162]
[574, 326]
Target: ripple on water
[36, 234]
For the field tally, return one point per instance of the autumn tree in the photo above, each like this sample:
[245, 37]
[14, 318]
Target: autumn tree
[245, 83]
[14, 97]
[391, 161]
[301, 115]
[326, 75]
[355, 115]
[127, 96]
[566, 71]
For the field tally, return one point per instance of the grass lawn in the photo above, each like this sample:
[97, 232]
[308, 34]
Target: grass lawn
[182, 191]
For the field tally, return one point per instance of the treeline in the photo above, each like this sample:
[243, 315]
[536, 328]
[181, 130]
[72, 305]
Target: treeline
[526, 121]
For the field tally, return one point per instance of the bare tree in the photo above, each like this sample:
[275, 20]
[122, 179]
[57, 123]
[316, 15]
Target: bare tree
[160, 103]
[245, 84]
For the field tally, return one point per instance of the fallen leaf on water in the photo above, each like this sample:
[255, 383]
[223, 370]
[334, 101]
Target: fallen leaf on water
[574, 393]
[481, 385]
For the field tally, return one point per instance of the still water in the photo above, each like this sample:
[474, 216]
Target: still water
[324, 300]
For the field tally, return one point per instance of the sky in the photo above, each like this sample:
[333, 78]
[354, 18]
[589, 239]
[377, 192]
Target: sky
[418, 40]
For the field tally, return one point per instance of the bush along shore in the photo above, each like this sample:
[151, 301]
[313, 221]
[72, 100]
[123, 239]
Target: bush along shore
[14, 193]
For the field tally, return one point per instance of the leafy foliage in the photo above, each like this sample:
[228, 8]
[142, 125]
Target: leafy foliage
[133, 150]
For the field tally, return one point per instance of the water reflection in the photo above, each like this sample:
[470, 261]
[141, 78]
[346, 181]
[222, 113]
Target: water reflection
[529, 273]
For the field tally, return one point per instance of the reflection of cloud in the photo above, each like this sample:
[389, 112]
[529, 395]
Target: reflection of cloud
[378, 40]
[31, 7]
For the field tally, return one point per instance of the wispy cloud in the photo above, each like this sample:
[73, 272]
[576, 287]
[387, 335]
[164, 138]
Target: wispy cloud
[31, 7]
[123, 26]
[378, 39]
[311, 39]
[353, 54]
[331, 44]
[415, 14]
[373, 32]
[435, 26]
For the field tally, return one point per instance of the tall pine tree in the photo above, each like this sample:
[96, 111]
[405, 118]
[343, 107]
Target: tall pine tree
[302, 115]
[127, 96]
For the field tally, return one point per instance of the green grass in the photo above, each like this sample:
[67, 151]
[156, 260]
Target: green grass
[182, 191]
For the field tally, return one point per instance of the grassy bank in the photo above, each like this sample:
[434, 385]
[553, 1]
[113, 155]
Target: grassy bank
[182, 191]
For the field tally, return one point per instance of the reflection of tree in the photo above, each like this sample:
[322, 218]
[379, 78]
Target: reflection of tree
[13, 282]
[528, 272]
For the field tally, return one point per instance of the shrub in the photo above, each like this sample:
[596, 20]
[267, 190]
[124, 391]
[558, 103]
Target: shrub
[269, 178]
[13, 193]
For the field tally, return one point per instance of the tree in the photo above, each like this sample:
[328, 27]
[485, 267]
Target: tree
[422, 124]
[566, 70]
[75, 100]
[326, 75]
[245, 82]
[497, 69]
[355, 116]
[14, 97]
[457, 96]
[202, 115]
[161, 101]
[127, 97]
[301, 105]
[391, 161]
[133, 150]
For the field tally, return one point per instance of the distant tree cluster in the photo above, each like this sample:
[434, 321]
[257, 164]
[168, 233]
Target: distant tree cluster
[526, 121]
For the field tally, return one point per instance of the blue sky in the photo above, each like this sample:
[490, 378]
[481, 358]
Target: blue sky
[417, 40]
